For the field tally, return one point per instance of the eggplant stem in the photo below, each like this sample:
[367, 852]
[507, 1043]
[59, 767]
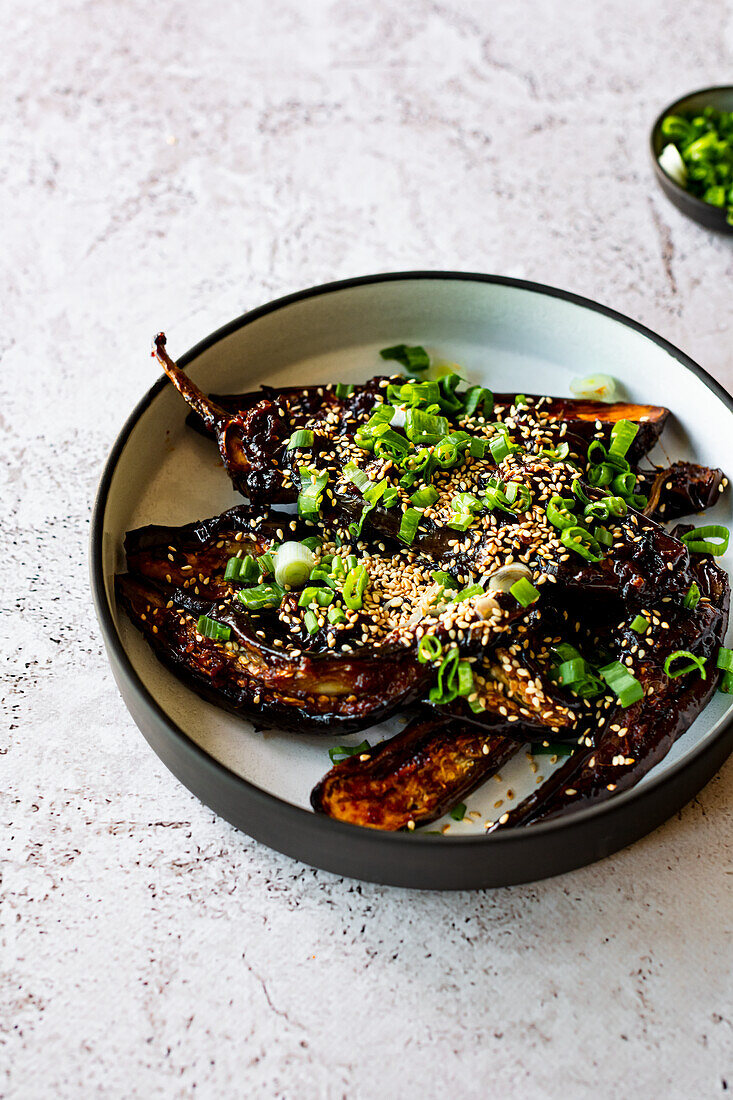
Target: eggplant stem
[213, 416]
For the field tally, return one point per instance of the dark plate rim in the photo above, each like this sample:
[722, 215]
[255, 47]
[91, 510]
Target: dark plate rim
[296, 815]
[698, 204]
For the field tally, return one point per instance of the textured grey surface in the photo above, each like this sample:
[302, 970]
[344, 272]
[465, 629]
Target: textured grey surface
[169, 165]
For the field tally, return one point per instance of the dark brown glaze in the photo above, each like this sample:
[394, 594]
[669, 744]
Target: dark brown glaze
[588, 420]
[635, 739]
[412, 778]
[304, 694]
[680, 489]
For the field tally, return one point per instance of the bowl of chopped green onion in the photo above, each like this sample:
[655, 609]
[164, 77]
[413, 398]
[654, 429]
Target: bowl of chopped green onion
[692, 153]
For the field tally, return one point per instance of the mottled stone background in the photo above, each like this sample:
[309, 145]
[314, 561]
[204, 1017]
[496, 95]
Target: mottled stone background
[170, 165]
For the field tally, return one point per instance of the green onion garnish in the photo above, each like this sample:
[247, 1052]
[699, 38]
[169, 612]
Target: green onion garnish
[446, 690]
[264, 595]
[343, 389]
[458, 812]
[726, 683]
[413, 358]
[467, 593]
[354, 585]
[429, 649]
[424, 428]
[356, 476]
[336, 616]
[524, 592]
[409, 525]
[441, 577]
[243, 569]
[423, 498]
[639, 624]
[210, 628]
[602, 536]
[310, 621]
[303, 438]
[692, 598]
[293, 564]
[699, 539]
[725, 659]
[694, 662]
[311, 493]
[559, 512]
[556, 454]
[341, 752]
[623, 434]
[552, 750]
[581, 542]
[478, 396]
[626, 687]
[266, 563]
[499, 447]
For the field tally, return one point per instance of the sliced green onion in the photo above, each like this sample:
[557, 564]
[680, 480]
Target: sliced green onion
[302, 438]
[414, 358]
[478, 396]
[242, 569]
[310, 621]
[408, 525]
[639, 624]
[465, 506]
[424, 428]
[458, 812]
[311, 493]
[598, 476]
[423, 498]
[446, 690]
[210, 628]
[692, 598]
[725, 659]
[571, 672]
[448, 399]
[441, 577]
[320, 573]
[390, 443]
[556, 454]
[499, 447]
[698, 540]
[266, 563]
[524, 592]
[343, 389]
[464, 679]
[477, 447]
[341, 752]
[264, 595]
[694, 662]
[626, 687]
[623, 434]
[336, 616]
[726, 683]
[624, 483]
[552, 750]
[429, 649]
[559, 512]
[293, 564]
[354, 585]
[414, 393]
[595, 387]
[602, 536]
[468, 593]
[581, 542]
[356, 476]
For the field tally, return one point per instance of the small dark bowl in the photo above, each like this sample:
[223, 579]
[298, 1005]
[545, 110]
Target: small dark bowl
[712, 217]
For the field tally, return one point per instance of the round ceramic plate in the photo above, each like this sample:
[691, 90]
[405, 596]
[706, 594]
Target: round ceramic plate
[506, 334]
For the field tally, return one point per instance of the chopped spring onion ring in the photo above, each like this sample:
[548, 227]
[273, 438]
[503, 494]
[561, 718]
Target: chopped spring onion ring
[596, 387]
[559, 512]
[726, 683]
[210, 628]
[624, 483]
[458, 812]
[478, 396]
[692, 598]
[694, 662]
[572, 671]
[242, 569]
[441, 577]
[671, 162]
[341, 752]
[293, 564]
[556, 454]
[414, 358]
[448, 399]
[356, 581]
[264, 595]
[467, 593]
[429, 649]
[499, 447]
[623, 434]
[423, 498]
[302, 438]
[311, 595]
[312, 542]
[344, 390]
[465, 506]
[524, 592]
[603, 536]
[626, 687]
[311, 493]
[582, 542]
[266, 562]
[725, 659]
[698, 540]
[425, 428]
[639, 624]
[408, 525]
[310, 621]
[336, 616]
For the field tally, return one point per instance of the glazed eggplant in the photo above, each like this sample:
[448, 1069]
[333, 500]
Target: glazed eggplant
[412, 778]
[488, 557]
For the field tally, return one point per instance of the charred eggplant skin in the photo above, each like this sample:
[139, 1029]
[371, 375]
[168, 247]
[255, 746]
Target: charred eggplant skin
[680, 490]
[412, 778]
